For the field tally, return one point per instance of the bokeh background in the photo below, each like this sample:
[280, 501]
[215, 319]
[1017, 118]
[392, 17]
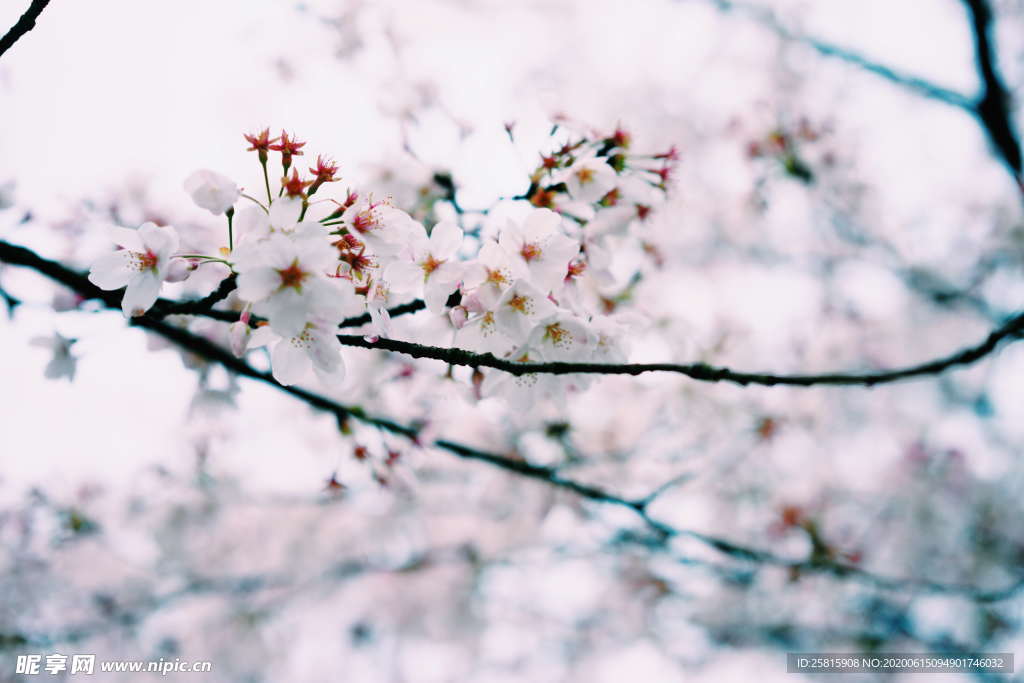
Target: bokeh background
[156, 506]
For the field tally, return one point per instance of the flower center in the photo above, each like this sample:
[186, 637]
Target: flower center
[530, 252]
[497, 277]
[292, 276]
[585, 175]
[143, 261]
[487, 324]
[557, 335]
[429, 265]
[520, 303]
[365, 221]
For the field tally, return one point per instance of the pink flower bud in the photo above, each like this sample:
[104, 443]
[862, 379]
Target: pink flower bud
[238, 336]
[458, 315]
[179, 270]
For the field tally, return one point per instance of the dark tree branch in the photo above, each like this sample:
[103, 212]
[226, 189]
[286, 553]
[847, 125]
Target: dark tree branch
[199, 306]
[701, 371]
[25, 24]
[993, 105]
[1011, 329]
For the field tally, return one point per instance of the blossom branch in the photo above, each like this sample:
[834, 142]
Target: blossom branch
[24, 24]
[1010, 330]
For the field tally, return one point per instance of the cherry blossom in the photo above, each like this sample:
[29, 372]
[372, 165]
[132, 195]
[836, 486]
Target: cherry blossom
[313, 350]
[140, 266]
[431, 266]
[588, 179]
[520, 308]
[285, 278]
[492, 272]
[382, 227]
[212, 191]
[562, 337]
[541, 247]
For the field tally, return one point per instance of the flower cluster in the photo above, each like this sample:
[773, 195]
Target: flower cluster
[304, 265]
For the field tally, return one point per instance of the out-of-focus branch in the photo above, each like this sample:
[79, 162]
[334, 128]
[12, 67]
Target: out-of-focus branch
[918, 85]
[993, 105]
[25, 24]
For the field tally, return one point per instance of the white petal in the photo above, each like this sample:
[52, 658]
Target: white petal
[327, 298]
[141, 293]
[279, 252]
[161, 241]
[127, 238]
[262, 336]
[540, 223]
[325, 350]
[111, 270]
[445, 239]
[212, 191]
[404, 276]
[449, 273]
[289, 362]
[284, 212]
[258, 283]
[287, 313]
[474, 274]
[251, 223]
[435, 294]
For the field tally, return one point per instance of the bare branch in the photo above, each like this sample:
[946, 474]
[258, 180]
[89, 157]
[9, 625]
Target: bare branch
[1011, 329]
[25, 24]
[993, 104]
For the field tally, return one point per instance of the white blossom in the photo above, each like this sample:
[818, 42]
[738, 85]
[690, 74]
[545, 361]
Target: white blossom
[140, 266]
[212, 191]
